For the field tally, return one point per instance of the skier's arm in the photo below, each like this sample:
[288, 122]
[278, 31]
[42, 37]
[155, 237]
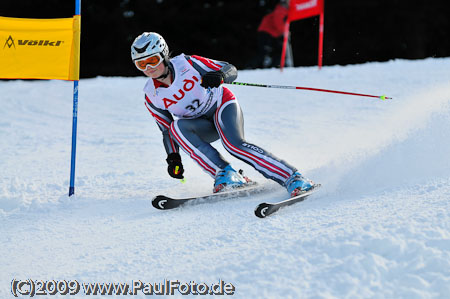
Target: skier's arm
[213, 72]
[163, 119]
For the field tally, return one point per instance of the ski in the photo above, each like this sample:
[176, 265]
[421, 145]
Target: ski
[163, 202]
[265, 209]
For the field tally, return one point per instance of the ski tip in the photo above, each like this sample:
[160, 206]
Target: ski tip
[159, 201]
[265, 209]
[261, 210]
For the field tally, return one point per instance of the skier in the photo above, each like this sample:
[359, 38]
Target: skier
[190, 88]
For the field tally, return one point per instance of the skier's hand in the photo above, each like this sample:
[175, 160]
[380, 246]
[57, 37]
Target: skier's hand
[212, 79]
[175, 167]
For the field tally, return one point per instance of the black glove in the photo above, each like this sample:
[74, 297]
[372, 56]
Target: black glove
[175, 168]
[212, 79]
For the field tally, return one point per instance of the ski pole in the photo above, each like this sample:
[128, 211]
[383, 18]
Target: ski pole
[382, 97]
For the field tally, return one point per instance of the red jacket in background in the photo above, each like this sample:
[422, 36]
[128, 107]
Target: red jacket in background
[273, 23]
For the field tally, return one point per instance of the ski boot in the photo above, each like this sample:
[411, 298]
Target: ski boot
[297, 184]
[229, 178]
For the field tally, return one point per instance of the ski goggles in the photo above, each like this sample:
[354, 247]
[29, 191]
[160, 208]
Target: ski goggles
[153, 61]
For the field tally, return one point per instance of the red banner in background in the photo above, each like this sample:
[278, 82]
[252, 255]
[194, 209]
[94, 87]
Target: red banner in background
[301, 9]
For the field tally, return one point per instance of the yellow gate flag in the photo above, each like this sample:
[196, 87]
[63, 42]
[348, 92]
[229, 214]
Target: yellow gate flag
[40, 48]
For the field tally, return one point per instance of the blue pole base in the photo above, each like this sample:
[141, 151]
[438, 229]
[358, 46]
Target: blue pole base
[71, 191]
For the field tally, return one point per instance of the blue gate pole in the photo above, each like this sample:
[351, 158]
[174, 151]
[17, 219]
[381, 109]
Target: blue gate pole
[74, 138]
[74, 121]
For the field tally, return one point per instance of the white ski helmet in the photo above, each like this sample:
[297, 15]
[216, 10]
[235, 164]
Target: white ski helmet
[147, 44]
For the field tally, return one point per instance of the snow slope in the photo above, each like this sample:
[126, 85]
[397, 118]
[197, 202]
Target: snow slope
[379, 228]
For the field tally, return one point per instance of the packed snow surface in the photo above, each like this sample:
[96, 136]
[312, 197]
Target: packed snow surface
[378, 228]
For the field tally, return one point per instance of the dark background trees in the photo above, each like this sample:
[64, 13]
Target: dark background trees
[355, 31]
